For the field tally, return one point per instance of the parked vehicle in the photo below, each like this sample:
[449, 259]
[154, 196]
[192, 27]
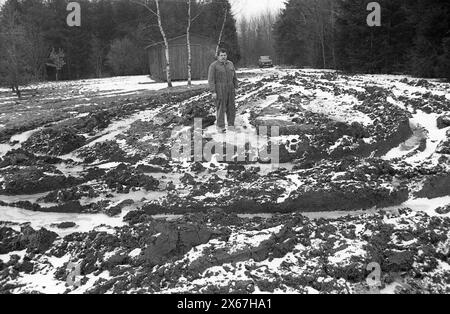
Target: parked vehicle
[265, 62]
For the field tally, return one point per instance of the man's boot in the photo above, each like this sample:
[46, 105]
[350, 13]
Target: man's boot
[221, 130]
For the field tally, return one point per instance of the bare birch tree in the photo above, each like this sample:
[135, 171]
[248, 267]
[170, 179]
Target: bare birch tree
[57, 61]
[157, 13]
[221, 30]
[188, 42]
[188, 39]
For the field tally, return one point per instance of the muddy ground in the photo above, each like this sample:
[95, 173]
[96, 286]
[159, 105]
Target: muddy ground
[362, 177]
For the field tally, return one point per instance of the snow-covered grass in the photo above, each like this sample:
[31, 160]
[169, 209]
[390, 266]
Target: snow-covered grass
[17, 139]
[99, 87]
[434, 138]
[6, 257]
[55, 101]
[37, 220]
[428, 205]
[338, 109]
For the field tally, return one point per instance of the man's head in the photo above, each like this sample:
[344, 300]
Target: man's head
[222, 55]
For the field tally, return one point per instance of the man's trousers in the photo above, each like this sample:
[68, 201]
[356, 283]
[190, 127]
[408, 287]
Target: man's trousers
[225, 105]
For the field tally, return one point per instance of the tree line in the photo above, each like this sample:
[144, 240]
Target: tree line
[37, 44]
[414, 36]
[110, 41]
[256, 38]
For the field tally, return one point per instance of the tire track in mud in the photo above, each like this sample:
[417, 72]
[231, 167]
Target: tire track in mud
[212, 251]
[261, 90]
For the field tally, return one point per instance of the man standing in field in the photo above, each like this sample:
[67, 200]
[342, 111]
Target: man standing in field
[223, 83]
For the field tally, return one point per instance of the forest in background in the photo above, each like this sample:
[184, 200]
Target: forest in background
[414, 36]
[111, 40]
[37, 44]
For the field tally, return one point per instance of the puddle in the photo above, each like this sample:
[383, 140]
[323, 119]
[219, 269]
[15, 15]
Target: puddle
[37, 220]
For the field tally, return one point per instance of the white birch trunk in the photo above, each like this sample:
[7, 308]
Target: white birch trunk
[221, 31]
[188, 40]
[166, 45]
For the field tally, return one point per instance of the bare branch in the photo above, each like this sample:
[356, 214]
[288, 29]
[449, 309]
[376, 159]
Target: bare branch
[145, 5]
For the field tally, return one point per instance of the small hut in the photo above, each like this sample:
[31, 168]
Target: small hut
[203, 54]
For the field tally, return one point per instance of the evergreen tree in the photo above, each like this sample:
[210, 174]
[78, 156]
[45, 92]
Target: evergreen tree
[15, 69]
[210, 25]
[373, 49]
[429, 55]
[123, 57]
[304, 34]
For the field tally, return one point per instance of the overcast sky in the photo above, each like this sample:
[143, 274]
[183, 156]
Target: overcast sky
[248, 8]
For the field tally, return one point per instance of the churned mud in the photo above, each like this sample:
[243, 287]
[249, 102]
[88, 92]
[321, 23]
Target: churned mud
[133, 187]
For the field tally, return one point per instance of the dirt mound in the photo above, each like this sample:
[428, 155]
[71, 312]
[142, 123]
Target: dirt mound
[348, 198]
[444, 147]
[21, 157]
[108, 151]
[435, 186]
[71, 194]
[54, 141]
[428, 103]
[444, 210]
[123, 178]
[443, 122]
[33, 180]
[117, 209]
[204, 252]
[349, 184]
[93, 122]
[30, 239]
[65, 225]
[175, 240]
[198, 110]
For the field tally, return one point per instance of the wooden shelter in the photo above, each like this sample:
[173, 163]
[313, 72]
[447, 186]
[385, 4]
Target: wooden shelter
[203, 52]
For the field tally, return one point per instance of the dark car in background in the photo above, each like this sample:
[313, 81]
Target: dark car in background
[265, 62]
